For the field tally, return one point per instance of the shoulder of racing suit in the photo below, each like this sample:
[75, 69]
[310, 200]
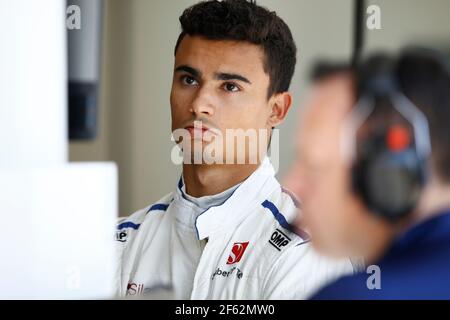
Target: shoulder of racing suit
[284, 208]
[312, 269]
[292, 250]
[128, 227]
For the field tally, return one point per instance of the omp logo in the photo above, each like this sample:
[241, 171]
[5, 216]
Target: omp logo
[121, 235]
[279, 240]
[237, 252]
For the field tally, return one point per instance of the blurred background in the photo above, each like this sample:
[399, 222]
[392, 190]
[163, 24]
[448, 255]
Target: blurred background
[136, 73]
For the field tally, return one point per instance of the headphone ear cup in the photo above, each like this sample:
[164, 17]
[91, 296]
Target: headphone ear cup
[389, 183]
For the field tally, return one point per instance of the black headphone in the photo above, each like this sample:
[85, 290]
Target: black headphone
[391, 143]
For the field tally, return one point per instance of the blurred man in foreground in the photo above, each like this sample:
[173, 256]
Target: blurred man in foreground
[368, 184]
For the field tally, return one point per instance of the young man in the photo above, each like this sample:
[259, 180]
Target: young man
[225, 232]
[407, 256]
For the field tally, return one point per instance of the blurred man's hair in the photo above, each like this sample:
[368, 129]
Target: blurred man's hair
[423, 75]
[242, 20]
[324, 69]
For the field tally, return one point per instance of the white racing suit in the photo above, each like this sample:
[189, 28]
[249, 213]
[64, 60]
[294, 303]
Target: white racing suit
[245, 248]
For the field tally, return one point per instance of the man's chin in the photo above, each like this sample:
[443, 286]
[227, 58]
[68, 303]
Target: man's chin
[201, 160]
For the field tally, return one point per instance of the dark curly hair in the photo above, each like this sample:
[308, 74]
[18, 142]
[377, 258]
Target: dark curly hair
[242, 20]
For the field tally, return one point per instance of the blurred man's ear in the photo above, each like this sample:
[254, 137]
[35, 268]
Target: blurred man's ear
[280, 104]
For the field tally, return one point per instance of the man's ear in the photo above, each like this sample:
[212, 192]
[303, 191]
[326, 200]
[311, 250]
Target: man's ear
[280, 104]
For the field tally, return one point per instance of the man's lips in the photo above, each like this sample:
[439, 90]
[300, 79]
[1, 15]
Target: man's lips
[198, 131]
[203, 129]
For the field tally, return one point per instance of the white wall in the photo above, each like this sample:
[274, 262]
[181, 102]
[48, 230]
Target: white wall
[30, 108]
[138, 60]
[48, 205]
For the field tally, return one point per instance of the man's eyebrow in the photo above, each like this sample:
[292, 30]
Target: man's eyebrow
[231, 76]
[194, 72]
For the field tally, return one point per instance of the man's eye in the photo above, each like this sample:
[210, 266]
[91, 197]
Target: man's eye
[187, 80]
[231, 87]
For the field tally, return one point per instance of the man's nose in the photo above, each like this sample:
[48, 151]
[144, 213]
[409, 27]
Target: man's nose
[203, 103]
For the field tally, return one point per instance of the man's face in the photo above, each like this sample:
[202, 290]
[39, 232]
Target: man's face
[221, 83]
[321, 176]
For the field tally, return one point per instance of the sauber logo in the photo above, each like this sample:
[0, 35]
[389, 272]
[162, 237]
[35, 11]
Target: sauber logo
[135, 288]
[237, 252]
[279, 240]
[226, 274]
